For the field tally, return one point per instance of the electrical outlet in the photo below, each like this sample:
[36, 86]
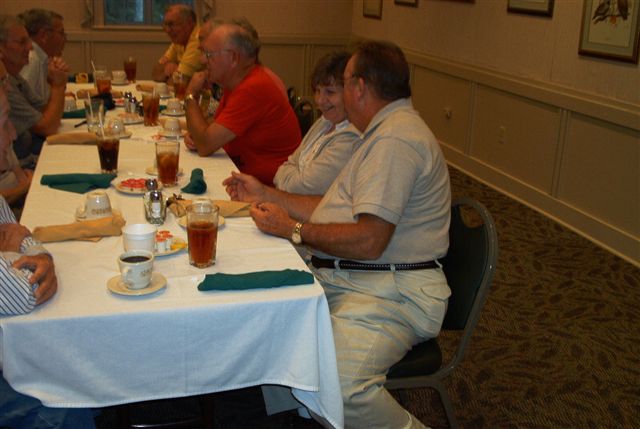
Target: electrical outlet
[502, 134]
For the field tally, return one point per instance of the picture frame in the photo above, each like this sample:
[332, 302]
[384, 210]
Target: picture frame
[372, 9]
[411, 3]
[610, 32]
[531, 7]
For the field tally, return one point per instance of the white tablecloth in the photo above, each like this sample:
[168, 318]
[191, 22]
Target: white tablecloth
[88, 347]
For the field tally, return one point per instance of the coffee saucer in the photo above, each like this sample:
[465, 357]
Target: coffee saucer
[80, 217]
[115, 285]
[119, 83]
[173, 112]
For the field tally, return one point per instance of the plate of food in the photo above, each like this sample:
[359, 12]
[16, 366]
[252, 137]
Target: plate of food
[134, 186]
[168, 244]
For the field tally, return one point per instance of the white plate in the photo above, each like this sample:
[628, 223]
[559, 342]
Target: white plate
[116, 286]
[182, 221]
[173, 113]
[132, 121]
[133, 191]
[176, 240]
[153, 171]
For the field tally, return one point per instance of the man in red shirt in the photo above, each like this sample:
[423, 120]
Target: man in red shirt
[254, 122]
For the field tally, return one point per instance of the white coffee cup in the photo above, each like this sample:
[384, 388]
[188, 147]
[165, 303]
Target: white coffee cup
[139, 236]
[119, 76]
[174, 105]
[172, 126]
[96, 205]
[70, 104]
[136, 268]
[115, 127]
[162, 88]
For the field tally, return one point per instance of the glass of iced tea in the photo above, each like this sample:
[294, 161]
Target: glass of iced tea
[167, 159]
[108, 148]
[102, 78]
[130, 65]
[202, 232]
[151, 109]
[180, 83]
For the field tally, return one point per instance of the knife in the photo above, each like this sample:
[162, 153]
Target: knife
[80, 123]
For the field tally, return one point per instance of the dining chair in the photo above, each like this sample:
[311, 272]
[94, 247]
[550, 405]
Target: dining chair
[306, 115]
[156, 414]
[469, 267]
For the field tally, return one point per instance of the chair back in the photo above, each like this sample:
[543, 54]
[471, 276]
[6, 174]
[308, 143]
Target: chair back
[469, 265]
[306, 115]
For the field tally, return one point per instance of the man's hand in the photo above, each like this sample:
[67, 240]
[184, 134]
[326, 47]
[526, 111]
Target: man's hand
[272, 219]
[243, 187]
[60, 64]
[44, 273]
[55, 75]
[11, 236]
[197, 82]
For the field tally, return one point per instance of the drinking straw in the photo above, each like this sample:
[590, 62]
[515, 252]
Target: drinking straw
[93, 66]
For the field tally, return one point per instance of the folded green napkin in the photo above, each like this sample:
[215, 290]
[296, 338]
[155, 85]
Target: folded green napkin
[196, 184]
[77, 182]
[257, 280]
[74, 114]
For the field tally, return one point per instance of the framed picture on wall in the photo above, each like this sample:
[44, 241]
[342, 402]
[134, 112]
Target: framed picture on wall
[531, 7]
[610, 29]
[372, 9]
[412, 3]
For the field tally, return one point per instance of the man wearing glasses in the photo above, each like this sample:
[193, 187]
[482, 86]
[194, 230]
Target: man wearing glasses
[254, 121]
[180, 24]
[33, 117]
[46, 31]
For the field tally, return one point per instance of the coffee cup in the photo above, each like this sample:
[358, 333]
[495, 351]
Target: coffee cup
[139, 236]
[119, 76]
[162, 88]
[172, 127]
[136, 268]
[174, 106]
[70, 104]
[115, 127]
[96, 206]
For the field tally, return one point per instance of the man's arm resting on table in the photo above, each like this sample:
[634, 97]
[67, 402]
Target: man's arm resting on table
[52, 113]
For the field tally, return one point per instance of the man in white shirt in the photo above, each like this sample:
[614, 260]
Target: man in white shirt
[46, 31]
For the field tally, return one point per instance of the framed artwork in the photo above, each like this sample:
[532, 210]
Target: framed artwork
[610, 29]
[372, 9]
[531, 7]
[412, 3]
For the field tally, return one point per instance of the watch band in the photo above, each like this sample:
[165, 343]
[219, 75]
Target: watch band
[190, 97]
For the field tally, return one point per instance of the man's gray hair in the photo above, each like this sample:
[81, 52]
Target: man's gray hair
[185, 11]
[38, 19]
[242, 36]
[6, 22]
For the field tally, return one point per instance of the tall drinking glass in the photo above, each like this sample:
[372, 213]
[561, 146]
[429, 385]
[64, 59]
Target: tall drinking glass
[202, 232]
[130, 66]
[102, 78]
[168, 159]
[151, 109]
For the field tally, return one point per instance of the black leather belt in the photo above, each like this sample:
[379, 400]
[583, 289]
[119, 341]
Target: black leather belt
[343, 264]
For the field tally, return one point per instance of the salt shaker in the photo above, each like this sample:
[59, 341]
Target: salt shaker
[155, 208]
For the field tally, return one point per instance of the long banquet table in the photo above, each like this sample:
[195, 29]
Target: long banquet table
[89, 347]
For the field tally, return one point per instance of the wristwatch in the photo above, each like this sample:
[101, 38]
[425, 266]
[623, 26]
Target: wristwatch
[296, 238]
[189, 97]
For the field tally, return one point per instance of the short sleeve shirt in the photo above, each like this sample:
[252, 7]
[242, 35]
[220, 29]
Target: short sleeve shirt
[398, 174]
[26, 111]
[187, 57]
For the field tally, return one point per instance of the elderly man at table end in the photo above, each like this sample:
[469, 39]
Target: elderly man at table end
[28, 279]
[376, 235]
[33, 117]
[254, 121]
[180, 24]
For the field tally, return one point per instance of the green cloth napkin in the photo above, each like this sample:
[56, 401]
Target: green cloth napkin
[74, 114]
[196, 184]
[257, 280]
[77, 182]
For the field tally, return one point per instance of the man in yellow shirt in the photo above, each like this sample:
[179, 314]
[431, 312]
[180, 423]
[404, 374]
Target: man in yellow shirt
[180, 24]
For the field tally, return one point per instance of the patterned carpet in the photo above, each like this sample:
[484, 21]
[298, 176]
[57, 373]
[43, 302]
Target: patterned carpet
[557, 344]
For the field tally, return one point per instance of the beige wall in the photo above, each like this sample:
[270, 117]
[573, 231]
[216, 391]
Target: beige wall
[485, 35]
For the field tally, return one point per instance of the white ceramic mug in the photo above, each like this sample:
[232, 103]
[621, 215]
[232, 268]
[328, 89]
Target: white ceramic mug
[136, 268]
[119, 76]
[139, 236]
[174, 105]
[96, 205]
[172, 126]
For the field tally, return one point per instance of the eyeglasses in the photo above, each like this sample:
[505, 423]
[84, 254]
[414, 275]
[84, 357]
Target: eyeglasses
[60, 32]
[210, 54]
